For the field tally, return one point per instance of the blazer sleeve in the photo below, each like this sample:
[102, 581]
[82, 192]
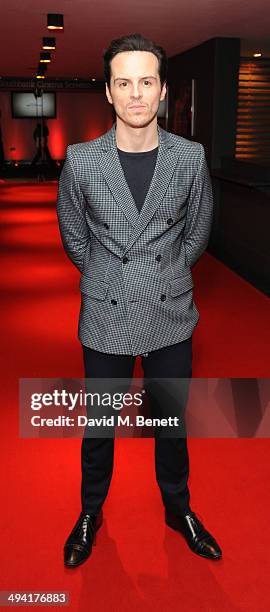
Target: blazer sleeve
[199, 213]
[71, 213]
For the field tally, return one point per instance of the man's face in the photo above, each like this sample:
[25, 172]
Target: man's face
[135, 89]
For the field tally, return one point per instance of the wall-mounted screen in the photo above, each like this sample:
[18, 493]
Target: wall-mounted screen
[27, 105]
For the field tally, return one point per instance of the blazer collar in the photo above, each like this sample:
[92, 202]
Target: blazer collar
[111, 168]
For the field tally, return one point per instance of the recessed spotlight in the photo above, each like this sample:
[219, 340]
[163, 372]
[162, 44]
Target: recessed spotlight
[41, 69]
[45, 57]
[48, 43]
[55, 21]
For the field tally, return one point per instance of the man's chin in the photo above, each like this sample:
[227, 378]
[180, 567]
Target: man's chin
[138, 121]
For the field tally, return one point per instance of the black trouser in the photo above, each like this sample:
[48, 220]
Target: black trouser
[171, 454]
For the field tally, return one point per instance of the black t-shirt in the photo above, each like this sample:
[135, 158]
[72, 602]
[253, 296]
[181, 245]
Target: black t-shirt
[138, 170]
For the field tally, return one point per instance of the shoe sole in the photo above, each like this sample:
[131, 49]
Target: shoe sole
[190, 547]
[85, 559]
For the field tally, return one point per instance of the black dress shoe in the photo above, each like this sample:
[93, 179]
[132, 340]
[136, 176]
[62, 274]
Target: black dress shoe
[199, 540]
[79, 544]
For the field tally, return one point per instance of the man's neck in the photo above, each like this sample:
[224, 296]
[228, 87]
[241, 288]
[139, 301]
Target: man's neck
[132, 139]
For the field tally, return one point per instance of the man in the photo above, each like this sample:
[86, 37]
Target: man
[40, 135]
[2, 154]
[135, 211]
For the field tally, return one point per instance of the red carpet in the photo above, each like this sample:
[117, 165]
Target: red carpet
[138, 561]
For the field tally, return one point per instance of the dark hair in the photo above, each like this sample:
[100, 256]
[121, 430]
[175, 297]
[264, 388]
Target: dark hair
[134, 42]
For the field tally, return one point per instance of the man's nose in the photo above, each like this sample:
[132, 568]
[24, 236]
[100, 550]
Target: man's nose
[136, 91]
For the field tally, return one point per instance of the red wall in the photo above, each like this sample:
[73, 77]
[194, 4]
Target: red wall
[80, 117]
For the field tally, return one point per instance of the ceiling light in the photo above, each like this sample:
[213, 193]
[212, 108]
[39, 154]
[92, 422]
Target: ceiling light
[45, 58]
[41, 69]
[257, 54]
[55, 21]
[48, 43]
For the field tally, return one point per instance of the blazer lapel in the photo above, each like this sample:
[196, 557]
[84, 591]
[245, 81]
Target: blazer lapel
[112, 170]
[114, 175]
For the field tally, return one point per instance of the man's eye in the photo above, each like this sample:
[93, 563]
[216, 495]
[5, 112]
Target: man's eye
[146, 82]
[123, 84]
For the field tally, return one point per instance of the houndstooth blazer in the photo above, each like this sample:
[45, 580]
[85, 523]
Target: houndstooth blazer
[136, 281]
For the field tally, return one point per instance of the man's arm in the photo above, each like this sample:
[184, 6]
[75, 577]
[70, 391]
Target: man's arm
[71, 214]
[199, 213]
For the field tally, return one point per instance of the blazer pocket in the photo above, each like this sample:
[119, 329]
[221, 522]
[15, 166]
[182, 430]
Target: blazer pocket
[180, 284]
[93, 288]
[182, 195]
[178, 193]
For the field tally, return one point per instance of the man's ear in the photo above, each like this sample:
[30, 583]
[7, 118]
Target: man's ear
[109, 97]
[163, 91]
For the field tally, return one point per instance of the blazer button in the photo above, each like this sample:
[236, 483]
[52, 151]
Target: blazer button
[169, 221]
[106, 225]
[125, 260]
[163, 297]
[114, 302]
[158, 257]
